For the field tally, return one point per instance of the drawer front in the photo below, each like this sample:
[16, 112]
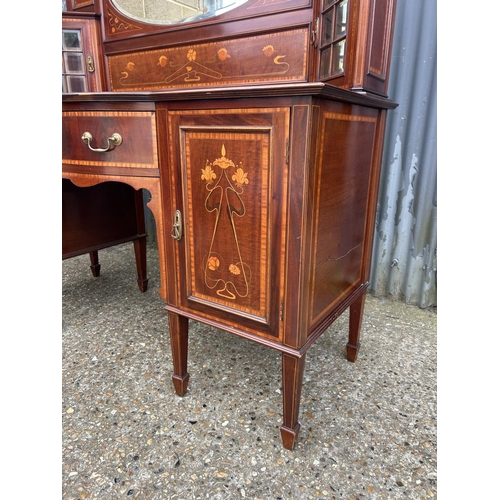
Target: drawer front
[138, 147]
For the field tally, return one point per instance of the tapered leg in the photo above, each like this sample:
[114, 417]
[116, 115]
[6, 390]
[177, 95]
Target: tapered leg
[355, 318]
[141, 263]
[95, 267]
[293, 372]
[179, 343]
[140, 244]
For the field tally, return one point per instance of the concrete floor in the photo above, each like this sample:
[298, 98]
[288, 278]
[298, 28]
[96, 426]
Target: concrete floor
[368, 428]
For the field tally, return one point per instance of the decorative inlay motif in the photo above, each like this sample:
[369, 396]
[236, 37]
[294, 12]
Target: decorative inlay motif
[271, 57]
[117, 24]
[193, 71]
[224, 181]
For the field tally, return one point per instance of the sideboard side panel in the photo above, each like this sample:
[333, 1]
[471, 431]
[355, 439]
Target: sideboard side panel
[346, 157]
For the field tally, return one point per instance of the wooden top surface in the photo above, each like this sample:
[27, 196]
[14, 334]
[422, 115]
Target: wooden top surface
[316, 89]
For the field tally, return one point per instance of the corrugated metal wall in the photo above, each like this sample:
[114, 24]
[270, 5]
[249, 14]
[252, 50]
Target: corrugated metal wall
[404, 264]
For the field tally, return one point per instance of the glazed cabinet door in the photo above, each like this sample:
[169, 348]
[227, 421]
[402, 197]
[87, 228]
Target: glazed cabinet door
[229, 178]
[81, 54]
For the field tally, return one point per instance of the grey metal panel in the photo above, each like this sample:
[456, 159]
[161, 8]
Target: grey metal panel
[404, 264]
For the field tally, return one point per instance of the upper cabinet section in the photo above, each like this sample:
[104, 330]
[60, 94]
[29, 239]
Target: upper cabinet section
[151, 45]
[81, 53]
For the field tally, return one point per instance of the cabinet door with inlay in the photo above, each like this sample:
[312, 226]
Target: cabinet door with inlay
[229, 181]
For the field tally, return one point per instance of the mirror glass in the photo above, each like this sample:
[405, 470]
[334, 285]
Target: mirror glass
[174, 11]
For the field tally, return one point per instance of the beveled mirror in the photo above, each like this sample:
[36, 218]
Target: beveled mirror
[173, 11]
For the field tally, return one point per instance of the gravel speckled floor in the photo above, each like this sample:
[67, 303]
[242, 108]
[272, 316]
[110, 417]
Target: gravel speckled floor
[368, 428]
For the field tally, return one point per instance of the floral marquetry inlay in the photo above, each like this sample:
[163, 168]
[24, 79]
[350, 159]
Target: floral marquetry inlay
[118, 24]
[224, 180]
[254, 59]
[227, 209]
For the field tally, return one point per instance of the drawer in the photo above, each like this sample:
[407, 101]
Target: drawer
[137, 149]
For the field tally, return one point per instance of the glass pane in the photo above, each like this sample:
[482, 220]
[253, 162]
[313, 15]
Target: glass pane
[174, 11]
[166, 9]
[328, 3]
[338, 58]
[64, 88]
[341, 19]
[71, 40]
[327, 28]
[73, 62]
[324, 63]
[76, 84]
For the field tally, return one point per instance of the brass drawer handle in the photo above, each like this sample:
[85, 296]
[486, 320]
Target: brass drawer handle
[114, 140]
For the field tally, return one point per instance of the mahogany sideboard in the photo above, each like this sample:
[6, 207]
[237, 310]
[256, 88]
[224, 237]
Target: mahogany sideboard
[258, 131]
